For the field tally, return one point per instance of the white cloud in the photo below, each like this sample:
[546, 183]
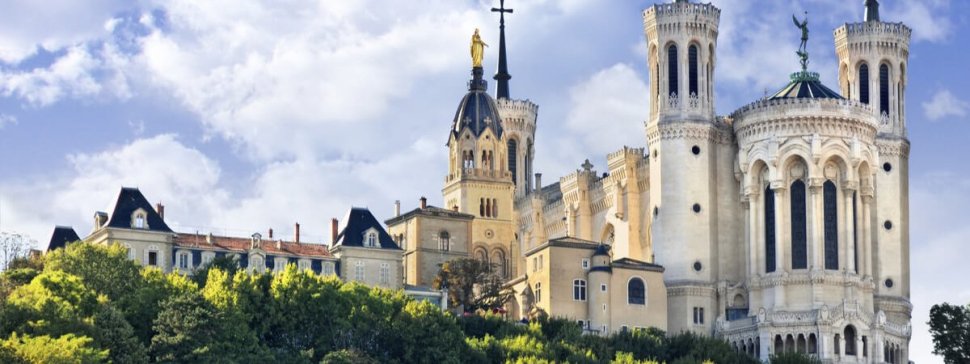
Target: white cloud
[945, 104]
[26, 26]
[7, 119]
[71, 75]
[608, 109]
[929, 19]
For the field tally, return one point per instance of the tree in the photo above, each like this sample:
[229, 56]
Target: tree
[13, 246]
[112, 332]
[45, 349]
[950, 327]
[427, 335]
[473, 285]
[104, 268]
[54, 303]
[224, 263]
[185, 329]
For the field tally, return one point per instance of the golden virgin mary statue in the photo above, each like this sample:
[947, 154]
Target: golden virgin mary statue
[478, 49]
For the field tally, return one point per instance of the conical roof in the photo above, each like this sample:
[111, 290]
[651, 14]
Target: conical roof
[806, 85]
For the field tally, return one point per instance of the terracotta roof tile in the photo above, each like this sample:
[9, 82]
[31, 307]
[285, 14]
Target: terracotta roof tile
[237, 244]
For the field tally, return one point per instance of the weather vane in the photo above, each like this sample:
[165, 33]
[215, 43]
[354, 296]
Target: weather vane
[803, 49]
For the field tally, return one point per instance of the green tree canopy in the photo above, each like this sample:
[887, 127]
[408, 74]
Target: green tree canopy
[950, 327]
[472, 285]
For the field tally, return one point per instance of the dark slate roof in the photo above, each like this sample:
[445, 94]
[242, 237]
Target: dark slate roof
[602, 249]
[129, 200]
[61, 237]
[636, 264]
[353, 226]
[477, 111]
[805, 85]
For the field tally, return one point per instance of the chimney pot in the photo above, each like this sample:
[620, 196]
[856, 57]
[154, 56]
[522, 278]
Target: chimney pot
[397, 208]
[538, 182]
[297, 232]
[333, 231]
[160, 209]
[270, 233]
[424, 202]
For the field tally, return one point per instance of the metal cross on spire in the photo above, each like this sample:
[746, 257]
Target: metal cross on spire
[502, 76]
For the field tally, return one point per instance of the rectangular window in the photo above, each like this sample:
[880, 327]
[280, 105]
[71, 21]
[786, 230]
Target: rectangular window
[328, 268]
[359, 272]
[603, 287]
[540, 262]
[385, 273]
[698, 315]
[579, 290]
[585, 263]
[303, 264]
[538, 292]
[153, 258]
[184, 261]
[535, 264]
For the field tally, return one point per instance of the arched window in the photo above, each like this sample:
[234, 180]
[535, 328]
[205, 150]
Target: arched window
[444, 241]
[579, 290]
[799, 228]
[769, 230]
[865, 346]
[883, 89]
[494, 207]
[838, 344]
[498, 258]
[484, 160]
[864, 83]
[481, 207]
[779, 345]
[812, 344]
[831, 226]
[801, 346]
[672, 70]
[692, 81]
[488, 207]
[850, 347]
[513, 153]
[790, 344]
[636, 292]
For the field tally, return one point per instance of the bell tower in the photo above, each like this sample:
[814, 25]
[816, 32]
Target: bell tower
[873, 62]
[479, 182]
[690, 154]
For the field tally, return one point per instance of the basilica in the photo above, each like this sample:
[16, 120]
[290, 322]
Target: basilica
[780, 227]
[783, 226]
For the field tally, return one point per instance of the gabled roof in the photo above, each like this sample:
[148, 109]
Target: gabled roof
[238, 244]
[61, 237]
[355, 224]
[129, 200]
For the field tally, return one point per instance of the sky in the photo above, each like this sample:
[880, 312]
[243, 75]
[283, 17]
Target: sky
[245, 116]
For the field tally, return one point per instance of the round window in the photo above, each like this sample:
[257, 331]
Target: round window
[698, 266]
[696, 150]
[889, 283]
[887, 167]
[888, 225]
[697, 208]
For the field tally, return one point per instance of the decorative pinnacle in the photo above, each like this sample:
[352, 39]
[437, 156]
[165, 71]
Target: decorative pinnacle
[502, 76]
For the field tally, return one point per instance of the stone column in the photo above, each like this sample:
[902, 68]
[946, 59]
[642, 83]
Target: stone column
[782, 237]
[816, 225]
[850, 261]
[866, 241]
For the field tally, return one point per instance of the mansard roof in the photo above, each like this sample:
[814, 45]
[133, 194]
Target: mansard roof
[243, 244]
[62, 236]
[357, 222]
[130, 200]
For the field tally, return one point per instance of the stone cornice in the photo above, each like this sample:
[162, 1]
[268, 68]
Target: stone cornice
[690, 131]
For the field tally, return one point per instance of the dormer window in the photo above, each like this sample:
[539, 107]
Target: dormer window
[371, 239]
[138, 219]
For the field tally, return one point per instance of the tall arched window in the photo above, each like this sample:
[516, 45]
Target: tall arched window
[672, 85]
[636, 292]
[498, 258]
[692, 80]
[488, 207]
[831, 226]
[494, 207]
[481, 207]
[482, 255]
[513, 153]
[799, 228]
[769, 230]
[864, 83]
[884, 89]
[850, 347]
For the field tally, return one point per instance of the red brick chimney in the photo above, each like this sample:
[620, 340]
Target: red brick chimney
[297, 232]
[333, 231]
[424, 203]
[160, 209]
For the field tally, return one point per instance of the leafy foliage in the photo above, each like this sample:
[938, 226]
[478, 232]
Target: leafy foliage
[47, 350]
[473, 285]
[950, 327]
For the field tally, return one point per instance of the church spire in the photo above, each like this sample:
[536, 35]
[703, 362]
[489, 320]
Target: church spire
[503, 76]
[872, 10]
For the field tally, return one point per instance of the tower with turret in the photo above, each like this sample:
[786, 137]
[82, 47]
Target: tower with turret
[692, 184]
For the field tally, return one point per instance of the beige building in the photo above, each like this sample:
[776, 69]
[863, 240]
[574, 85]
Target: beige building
[781, 227]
